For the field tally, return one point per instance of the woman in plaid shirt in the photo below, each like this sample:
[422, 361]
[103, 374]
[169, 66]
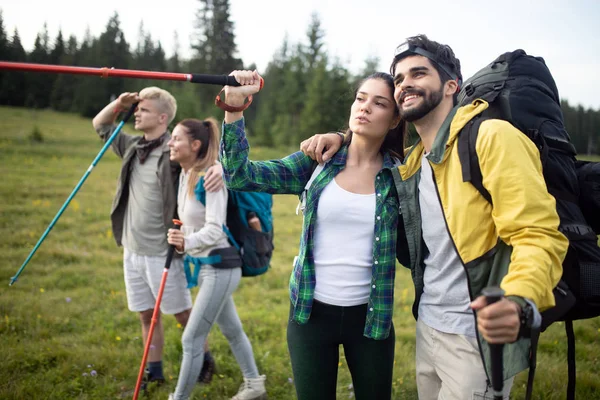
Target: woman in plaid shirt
[342, 285]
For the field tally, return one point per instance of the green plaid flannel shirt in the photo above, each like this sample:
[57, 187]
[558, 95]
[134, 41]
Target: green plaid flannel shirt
[289, 176]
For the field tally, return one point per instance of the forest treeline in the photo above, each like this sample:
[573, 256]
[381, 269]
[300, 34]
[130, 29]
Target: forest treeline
[306, 91]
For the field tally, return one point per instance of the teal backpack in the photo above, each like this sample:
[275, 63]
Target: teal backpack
[254, 247]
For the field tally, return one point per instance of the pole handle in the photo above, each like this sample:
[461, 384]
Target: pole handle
[130, 111]
[223, 80]
[176, 225]
[494, 294]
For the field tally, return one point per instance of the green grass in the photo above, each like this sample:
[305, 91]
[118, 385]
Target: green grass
[67, 314]
[589, 158]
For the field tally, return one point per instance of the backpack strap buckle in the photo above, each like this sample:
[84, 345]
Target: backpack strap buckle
[469, 89]
[498, 86]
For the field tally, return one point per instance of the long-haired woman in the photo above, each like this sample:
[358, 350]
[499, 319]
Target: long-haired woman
[194, 145]
[342, 284]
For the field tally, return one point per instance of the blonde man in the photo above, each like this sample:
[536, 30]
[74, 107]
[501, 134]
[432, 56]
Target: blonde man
[142, 212]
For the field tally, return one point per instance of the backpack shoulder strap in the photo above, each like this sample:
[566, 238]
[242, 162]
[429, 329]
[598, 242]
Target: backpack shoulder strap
[315, 173]
[467, 154]
[302, 203]
[199, 190]
[535, 336]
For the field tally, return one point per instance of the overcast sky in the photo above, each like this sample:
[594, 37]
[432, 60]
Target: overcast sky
[566, 33]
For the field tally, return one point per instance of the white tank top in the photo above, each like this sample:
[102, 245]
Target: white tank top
[343, 246]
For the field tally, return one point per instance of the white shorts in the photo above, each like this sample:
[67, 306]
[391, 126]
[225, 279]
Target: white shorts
[143, 275]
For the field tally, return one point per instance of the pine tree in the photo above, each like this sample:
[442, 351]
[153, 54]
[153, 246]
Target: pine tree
[63, 92]
[148, 56]
[3, 39]
[39, 84]
[84, 58]
[158, 61]
[174, 62]
[371, 66]
[583, 126]
[4, 55]
[328, 99]
[215, 39]
[13, 89]
[314, 50]
[309, 71]
[293, 97]
[302, 94]
[138, 54]
[214, 45]
[270, 106]
[112, 50]
[58, 50]
[56, 56]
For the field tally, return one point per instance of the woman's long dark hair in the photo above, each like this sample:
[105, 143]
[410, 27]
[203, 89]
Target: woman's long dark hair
[395, 139]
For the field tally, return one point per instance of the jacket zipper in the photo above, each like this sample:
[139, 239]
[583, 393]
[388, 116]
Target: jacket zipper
[467, 275]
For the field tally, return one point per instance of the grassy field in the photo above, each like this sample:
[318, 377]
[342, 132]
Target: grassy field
[66, 333]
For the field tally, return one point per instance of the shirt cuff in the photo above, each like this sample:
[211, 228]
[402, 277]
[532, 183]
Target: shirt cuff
[235, 128]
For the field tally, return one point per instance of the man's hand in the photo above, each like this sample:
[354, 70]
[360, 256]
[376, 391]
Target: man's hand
[175, 237]
[235, 95]
[249, 84]
[109, 113]
[321, 147]
[498, 322]
[213, 179]
[126, 100]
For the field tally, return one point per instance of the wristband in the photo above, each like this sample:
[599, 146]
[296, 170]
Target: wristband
[226, 107]
[526, 321]
[118, 110]
[526, 317]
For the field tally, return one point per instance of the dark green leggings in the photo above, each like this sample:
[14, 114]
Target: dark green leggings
[314, 351]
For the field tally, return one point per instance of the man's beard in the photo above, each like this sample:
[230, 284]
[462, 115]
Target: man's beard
[430, 101]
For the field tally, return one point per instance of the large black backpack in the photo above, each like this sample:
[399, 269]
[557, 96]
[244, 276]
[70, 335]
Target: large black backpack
[520, 89]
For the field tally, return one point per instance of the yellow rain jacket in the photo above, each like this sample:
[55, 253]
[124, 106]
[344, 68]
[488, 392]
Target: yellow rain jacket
[515, 242]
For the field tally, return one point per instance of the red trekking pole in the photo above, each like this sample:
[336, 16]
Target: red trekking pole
[163, 281]
[105, 72]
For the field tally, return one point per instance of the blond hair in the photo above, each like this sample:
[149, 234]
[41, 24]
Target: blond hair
[166, 102]
[208, 133]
